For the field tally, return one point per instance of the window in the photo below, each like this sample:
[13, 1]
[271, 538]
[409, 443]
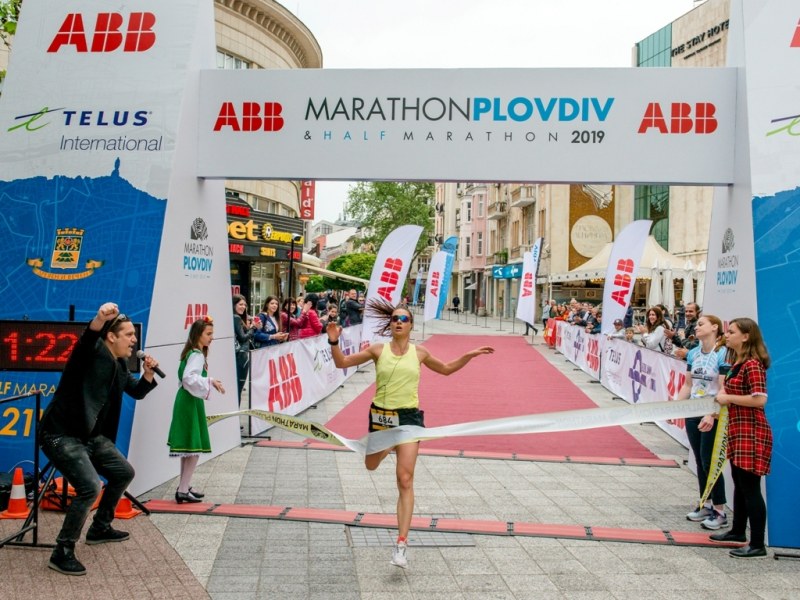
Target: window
[656, 49]
[479, 244]
[480, 206]
[652, 202]
[468, 246]
[228, 61]
[469, 211]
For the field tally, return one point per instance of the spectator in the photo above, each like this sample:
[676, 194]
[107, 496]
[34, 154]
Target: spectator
[630, 334]
[688, 340]
[353, 309]
[706, 368]
[653, 331]
[269, 333]
[619, 330]
[749, 435]
[332, 316]
[243, 331]
[290, 323]
[309, 319]
[456, 303]
[595, 324]
[628, 319]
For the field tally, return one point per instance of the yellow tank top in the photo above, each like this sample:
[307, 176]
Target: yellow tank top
[397, 379]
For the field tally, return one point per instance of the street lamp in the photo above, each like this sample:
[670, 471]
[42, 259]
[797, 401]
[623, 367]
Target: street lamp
[296, 237]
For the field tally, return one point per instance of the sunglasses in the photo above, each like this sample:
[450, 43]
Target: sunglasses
[400, 318]
[120, 318]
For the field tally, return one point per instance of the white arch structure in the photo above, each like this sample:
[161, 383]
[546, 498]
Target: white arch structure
[116, 131]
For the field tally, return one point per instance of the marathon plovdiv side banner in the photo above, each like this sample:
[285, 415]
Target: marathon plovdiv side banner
[433, 289]
[526, 305]
[450, 245]
[100, 198]
[291, 377]
[623, 265]
[772, 40]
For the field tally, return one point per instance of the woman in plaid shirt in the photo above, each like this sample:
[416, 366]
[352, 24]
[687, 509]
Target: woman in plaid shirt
[749, 434]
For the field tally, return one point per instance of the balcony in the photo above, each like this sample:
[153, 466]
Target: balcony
[523, 196]
[496, 211]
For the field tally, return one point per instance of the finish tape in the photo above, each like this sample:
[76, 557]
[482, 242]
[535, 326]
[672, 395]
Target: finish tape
[569, 420]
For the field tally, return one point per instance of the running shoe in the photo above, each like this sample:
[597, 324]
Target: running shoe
[700, 514]
[399, 558]
[718, 521]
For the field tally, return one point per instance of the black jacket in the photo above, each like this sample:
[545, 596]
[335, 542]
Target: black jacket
[88, 399]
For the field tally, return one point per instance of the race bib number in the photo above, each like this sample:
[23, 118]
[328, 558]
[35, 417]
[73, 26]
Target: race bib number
[384, 418]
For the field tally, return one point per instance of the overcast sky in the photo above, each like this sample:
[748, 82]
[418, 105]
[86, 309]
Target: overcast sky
[475, 33]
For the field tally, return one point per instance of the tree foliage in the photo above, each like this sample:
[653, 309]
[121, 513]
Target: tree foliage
[9, 15]
[315, 285]
[357, 265]
[383, 206]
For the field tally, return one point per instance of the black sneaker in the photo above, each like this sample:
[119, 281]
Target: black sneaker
[728, 536]
[63, 560]
[93, 536]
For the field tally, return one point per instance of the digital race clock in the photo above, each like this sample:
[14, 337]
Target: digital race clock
[44, 345]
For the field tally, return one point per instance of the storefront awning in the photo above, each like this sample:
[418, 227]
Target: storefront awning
[332, 274]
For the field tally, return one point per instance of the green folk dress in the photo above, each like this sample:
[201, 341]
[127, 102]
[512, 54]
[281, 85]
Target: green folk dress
[188, 432]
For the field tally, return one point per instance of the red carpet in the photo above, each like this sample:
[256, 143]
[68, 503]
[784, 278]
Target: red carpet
[515, 380]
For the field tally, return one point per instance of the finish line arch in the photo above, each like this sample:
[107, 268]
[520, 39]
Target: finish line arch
[116, 130]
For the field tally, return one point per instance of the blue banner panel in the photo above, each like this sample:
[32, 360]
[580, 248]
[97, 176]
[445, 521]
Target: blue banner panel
[776, 223]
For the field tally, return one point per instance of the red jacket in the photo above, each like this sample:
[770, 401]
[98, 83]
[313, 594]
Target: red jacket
[309, 324]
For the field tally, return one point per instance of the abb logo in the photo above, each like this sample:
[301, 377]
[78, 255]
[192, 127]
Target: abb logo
[622, 282]
[593, 354]
[108, 35]
[194, 312]
[285, 387]
[254, 116]
[676, 381]
[390, 276]
[681, 119]
[435, 284]
[527, 285]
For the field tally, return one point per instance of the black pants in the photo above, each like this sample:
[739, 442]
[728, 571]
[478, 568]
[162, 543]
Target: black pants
[528, 327]
[242, 365]
[81, 464]
[748, 503]
[702, 444]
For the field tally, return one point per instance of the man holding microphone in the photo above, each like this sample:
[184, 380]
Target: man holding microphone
[79, 428]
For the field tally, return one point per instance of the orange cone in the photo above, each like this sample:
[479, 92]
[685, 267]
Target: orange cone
[18, 502]
[125, 509]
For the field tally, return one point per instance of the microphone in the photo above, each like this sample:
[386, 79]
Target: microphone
[156, 370]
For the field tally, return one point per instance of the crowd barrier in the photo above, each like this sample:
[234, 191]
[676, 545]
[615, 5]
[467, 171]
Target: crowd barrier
[627, 370]
[288, 378]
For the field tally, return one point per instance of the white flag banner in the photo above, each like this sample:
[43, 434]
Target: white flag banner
[623, 265]
[433, 291]
[390, 271]
[526, 305]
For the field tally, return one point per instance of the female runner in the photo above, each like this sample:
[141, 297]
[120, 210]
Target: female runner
[396, 402]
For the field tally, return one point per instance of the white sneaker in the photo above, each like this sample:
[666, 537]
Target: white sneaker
[718, 520]
[399, 558]
[701, 514]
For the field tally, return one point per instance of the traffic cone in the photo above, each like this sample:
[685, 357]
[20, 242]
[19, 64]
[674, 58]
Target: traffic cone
[18, 502]
[125, 509]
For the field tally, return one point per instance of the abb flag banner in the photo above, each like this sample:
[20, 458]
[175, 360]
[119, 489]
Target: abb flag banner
[623, 264]
[433, 291]
[289, 378]
[307, 198]
[390, 271]
[526, 305]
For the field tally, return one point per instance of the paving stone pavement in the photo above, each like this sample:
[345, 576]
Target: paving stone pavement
[234, 558]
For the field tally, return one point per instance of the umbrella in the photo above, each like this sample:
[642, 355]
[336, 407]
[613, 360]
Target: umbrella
[688, 283]
[669, 291]
[701, 282]
[654, 295]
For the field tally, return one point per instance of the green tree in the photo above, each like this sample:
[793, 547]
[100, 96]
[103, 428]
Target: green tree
[315, 285]
[357, 265]
[9, 15]
[383, 206]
